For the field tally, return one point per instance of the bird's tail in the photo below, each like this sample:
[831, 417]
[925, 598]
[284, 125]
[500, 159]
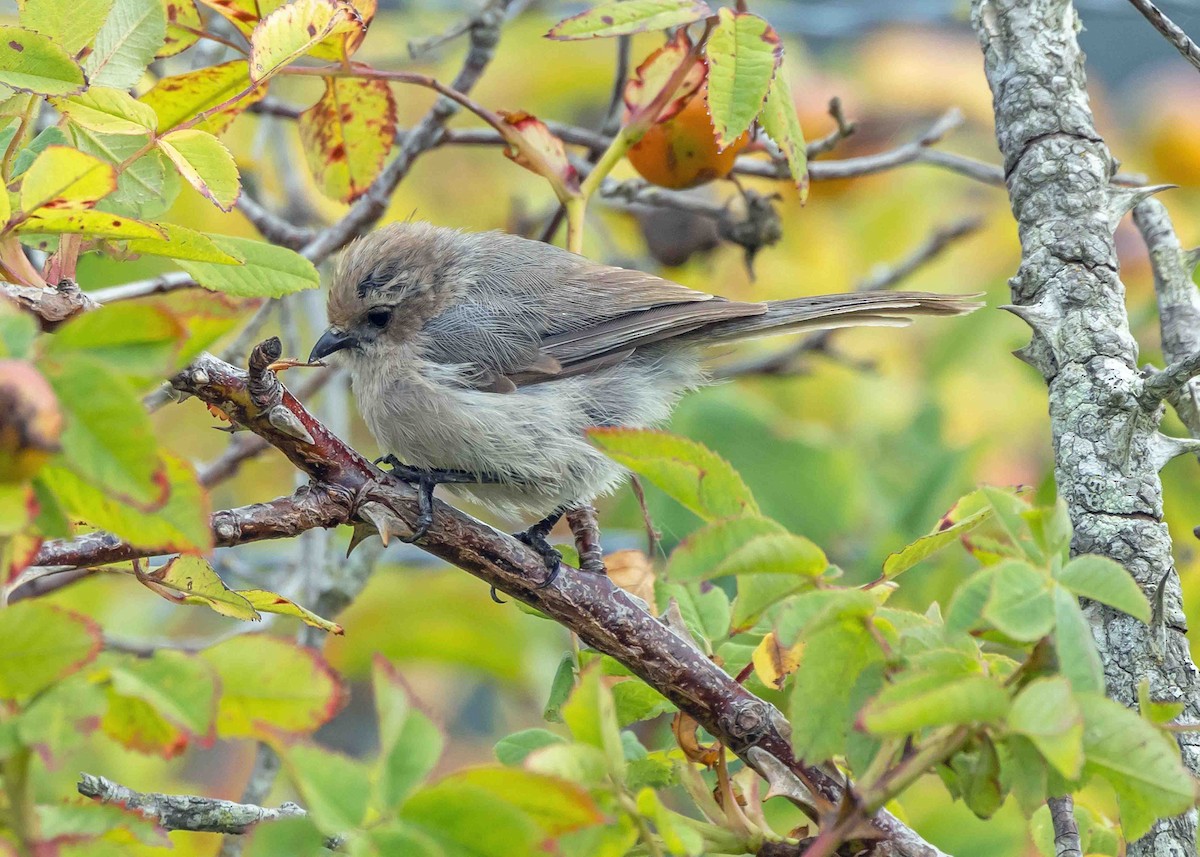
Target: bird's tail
[855, 309]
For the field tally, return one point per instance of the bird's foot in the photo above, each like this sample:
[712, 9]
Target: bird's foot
[535, 537]
[425, 480]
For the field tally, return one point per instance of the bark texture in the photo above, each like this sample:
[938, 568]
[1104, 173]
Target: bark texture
[1108, 450]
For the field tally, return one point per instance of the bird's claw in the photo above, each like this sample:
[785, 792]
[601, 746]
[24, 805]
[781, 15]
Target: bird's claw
[535, 538]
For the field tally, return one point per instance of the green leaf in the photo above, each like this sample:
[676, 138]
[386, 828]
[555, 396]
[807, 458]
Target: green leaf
[513, 749]
[635, 700]
[18, 330]
[70, 25]
[555, 805]
[560, 688]
[32, 62]
[743, 545]
[183, 243]
[265, 601]
[128, 40]
[409, 743]
[628, 17]
[978, 774]
[743, 54]
[1011, 509]
[1025, 769]
[1046, 712]
[1078, 659]
[39, 644]
[1107, 581]
[1140, 762]
[205, 164]
[758, 592]
[965, 612]
[335, 789]
[579, 763]
[191, 580]
[80, 822]
[688, 472]
[146, 188]
[271, 685]
[109, 111]
[182, 97]
[269, 271]
[179, 525]
[965, 515]
[62, 177]
[469, 821]
[140, 342]
[591, 716]
[136, 724]
[62, 718]
[181, 687]
[916, 703]
[107, 437]
[1153, 710]
[293, 30]
[706, 613]
[782, 124]
[1021, 603]
[677, 836]
[95, 224]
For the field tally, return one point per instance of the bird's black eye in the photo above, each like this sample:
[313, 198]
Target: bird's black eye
[379, 317]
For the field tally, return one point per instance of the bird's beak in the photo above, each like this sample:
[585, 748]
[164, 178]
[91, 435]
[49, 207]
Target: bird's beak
[331, 340]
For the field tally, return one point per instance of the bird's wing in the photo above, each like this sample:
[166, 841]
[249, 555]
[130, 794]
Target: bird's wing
[558, 314]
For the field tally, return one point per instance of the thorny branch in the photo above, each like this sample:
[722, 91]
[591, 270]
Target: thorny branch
[189, 812]
[346, 488]
[1106, 442]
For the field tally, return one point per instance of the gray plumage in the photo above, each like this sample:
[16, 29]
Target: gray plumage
[493, 354]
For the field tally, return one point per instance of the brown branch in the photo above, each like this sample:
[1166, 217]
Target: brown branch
[1066, 829]
[1170, 30]
[348, 488]
[52, 305]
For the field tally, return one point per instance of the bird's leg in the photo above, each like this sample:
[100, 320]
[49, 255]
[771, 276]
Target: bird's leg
[535, 537]
[425, 480]
[586, 529]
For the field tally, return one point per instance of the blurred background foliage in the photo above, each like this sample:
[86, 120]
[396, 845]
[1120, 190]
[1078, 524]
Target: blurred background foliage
[861, 449]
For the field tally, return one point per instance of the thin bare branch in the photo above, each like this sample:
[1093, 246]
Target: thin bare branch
[1171, 31]
[1066, 830]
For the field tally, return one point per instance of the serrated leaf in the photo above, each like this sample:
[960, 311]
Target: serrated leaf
[635, 700]
[688, 472]
[555, 805]
[146, 188]
[180, 14]
[127, 42]
[1046, 712]
[468, 821]
[756, 593]
[1021, 603]
[965, 515]
[205, 164]
[293, 30]
[1139, 761]
[32, 62]
[107, 437]
[70, 25]
[909, 706]
[743, 54]
[1107, 581]
[62, 177]
[181, 687]
[269, 685]
[179, 242]
[191, 580]
[271, 602]
[1078, 659]
[39, 644]
[743, 545]
[628, 17]
[97, 224]
[179, 525]
[269, 271]
[347, 135]
[656, 71]
[409, 742]
[782, 124]
[109, 111]
[182, 97]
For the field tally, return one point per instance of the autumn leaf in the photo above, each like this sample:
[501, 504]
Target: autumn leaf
[347, 135]
[532, 145]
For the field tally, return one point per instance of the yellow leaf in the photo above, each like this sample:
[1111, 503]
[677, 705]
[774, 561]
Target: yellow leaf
[180, 14]
[205, 163]
[782, 124]
[101, 224]
[343, 45]
[32, 62]
[270, 602]
[62, 177]
[243, 14]
[532, 145]
[347, 135]
[183, 243]
[293, 30]
[632, 571]
[110, 111]
[191, 580]
[177, 99]
[774, 662]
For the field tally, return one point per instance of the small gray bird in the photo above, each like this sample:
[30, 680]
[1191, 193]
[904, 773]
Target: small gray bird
[480, 359]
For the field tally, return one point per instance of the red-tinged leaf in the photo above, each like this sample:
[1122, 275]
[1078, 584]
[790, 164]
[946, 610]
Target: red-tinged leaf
[743, 54]
[191, 580]
[532, 145]
[347, 135]
[295, 29]
[62, 177]
[40, 644]
[270, 602]
[341, 46]
[135, 724]
[269, 685]
[655, 72]
[205, 163]
[182, 97]
[182, 18]
[243, 14]
[31, 425]
[626, 17]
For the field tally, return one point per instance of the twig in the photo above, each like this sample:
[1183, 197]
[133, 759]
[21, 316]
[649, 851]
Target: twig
[844, 128]
[1066, 830]
[347, 487]
[884, 277]
[1178, 302]
[271, 226]
[52, 305]
[190, 812]
[1170, 30]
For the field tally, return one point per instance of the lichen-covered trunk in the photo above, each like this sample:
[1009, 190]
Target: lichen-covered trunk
[1107, 448]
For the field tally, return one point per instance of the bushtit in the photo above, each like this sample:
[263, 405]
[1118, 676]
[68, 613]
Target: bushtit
[481, 358]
